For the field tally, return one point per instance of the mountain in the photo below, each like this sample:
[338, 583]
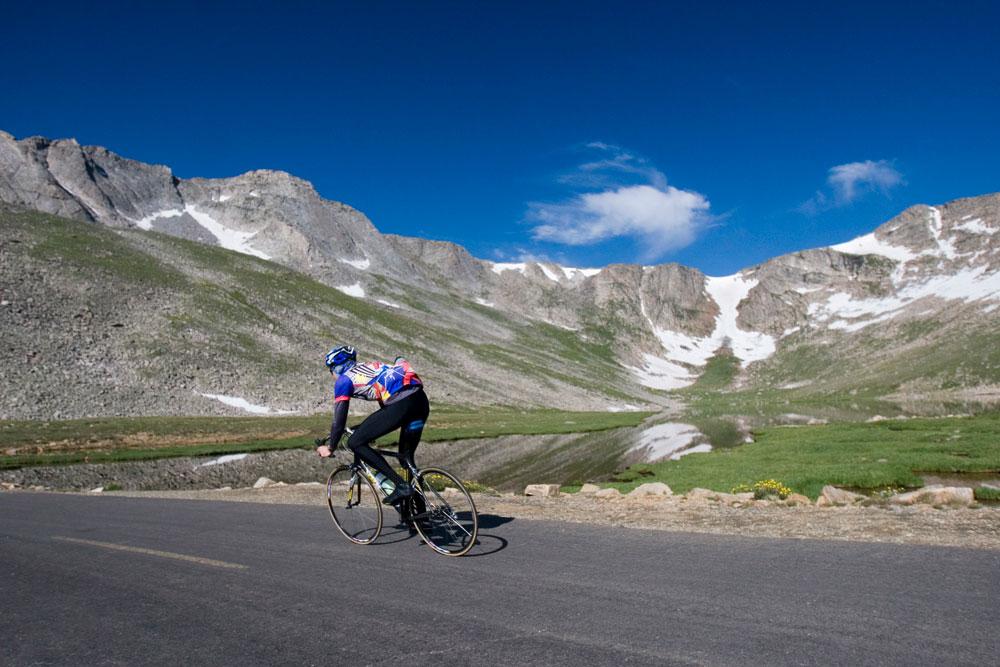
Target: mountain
[236, 286]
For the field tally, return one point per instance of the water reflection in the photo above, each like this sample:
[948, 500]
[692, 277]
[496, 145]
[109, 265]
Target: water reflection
[509, 463]
[666, 440]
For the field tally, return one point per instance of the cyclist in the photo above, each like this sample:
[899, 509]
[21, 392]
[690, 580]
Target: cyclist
[402, 405]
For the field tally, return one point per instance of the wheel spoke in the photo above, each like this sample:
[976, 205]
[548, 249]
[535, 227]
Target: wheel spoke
[354, 505]
[447, 530]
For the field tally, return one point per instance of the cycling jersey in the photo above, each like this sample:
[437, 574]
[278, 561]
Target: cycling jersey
[375, 381]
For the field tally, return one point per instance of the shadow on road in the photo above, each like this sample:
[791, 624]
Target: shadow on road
[393, 534]
[487, 545]
[488, 521]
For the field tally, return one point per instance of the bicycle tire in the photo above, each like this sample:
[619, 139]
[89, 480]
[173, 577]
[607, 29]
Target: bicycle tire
[354, 505]
[449, 522]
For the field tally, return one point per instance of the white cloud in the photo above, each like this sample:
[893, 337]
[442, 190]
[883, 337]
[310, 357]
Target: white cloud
[520, 255]
[661, 216]
[850, 181]
[611, 168]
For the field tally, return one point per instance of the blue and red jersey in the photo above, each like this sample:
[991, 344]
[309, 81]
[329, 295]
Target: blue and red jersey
[375, 381]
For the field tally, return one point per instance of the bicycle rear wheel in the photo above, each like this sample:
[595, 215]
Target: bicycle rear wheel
[354, 505]
[443, 512]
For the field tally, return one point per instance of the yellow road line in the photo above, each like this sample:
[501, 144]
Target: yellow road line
[153, 552]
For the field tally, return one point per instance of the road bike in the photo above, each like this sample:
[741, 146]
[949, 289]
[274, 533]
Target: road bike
[441, 510]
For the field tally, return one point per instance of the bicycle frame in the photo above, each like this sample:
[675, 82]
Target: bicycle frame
[363, 468]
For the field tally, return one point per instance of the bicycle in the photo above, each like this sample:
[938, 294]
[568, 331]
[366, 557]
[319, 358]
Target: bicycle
[441, 510]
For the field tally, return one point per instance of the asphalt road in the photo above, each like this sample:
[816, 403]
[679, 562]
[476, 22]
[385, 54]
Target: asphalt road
[105, 580]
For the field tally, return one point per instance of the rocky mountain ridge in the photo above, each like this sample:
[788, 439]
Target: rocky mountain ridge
[930, 268]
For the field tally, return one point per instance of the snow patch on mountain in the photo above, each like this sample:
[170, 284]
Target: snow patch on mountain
[549, 270]
[147, 222]
[244, 404]
[549, 273]
[659, 373]
[937, 229]
[360, 264]
[227, 238]
[500, 267]
[974, 226]
[847, 313]
[571, 272]
[682, 348]
[728, 292]
[869, 245]
[355, 290]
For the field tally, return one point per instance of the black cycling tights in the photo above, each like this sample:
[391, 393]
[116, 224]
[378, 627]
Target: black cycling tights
[407, 414]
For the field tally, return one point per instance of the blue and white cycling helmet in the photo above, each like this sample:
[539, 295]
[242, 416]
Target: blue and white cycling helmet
[339, 357]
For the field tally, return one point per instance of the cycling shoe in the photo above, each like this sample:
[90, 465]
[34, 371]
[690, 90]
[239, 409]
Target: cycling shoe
[402, 492]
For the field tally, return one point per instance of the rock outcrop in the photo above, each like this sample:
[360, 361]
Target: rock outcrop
[936, 495]
[542, 490]
[831, 495]
[648, 489]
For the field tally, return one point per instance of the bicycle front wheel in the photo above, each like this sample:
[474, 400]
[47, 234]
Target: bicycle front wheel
[354, 505]
[444, 513]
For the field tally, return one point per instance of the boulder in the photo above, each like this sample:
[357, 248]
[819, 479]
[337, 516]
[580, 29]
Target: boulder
[262, 482]
[936, 494]
[99, 489]
[608, 494]
[797, 499]
[650, 489]
[542, 490]
[699, 493]
[589, 489]
[831, 495]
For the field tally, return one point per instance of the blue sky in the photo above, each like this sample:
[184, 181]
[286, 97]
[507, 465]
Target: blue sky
[588, 133]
